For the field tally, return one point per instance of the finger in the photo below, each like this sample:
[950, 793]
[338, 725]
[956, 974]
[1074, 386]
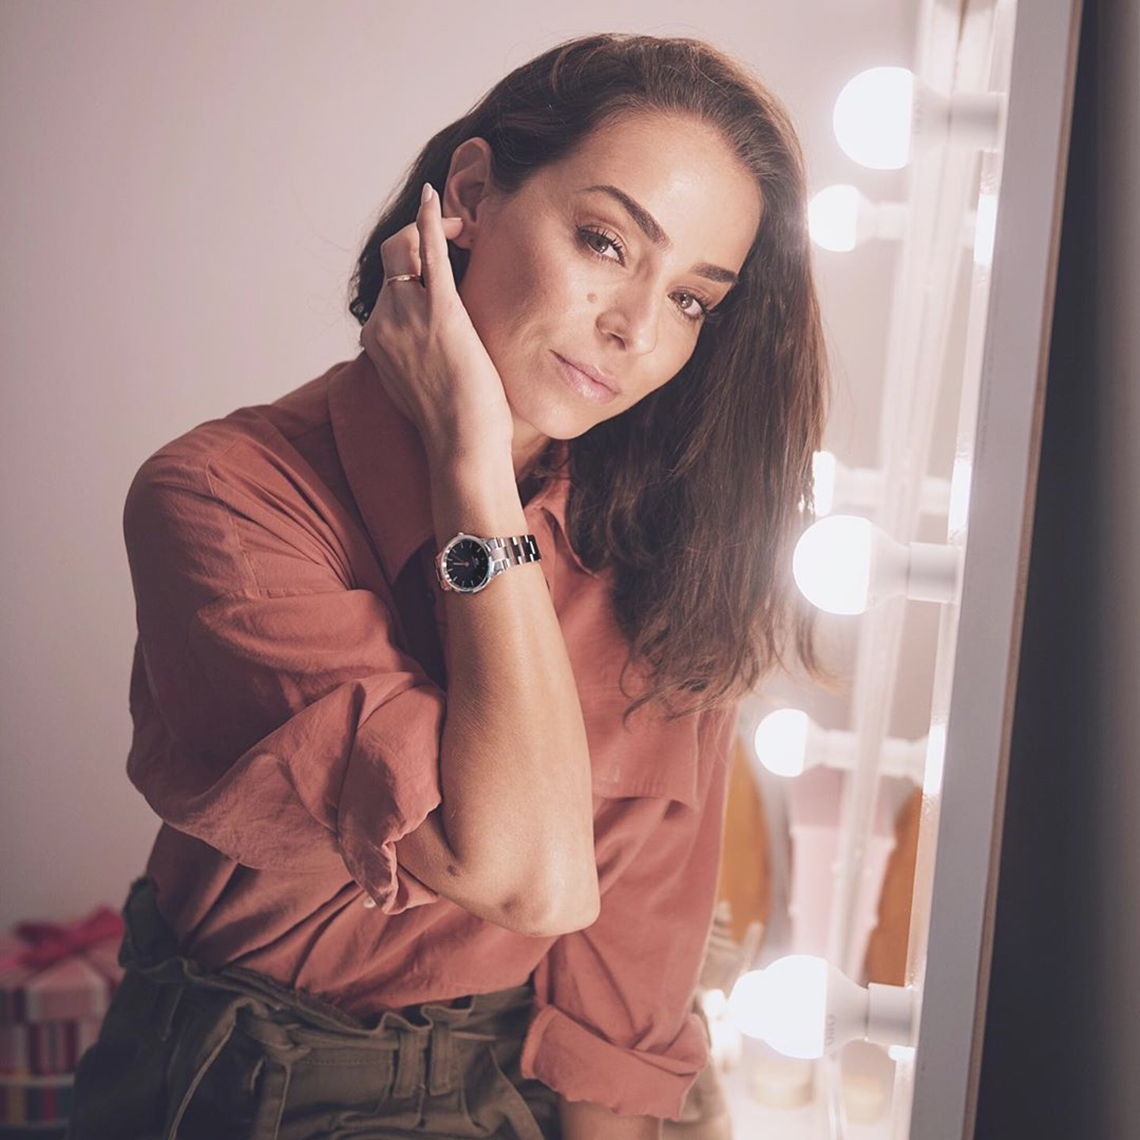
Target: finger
[437, 275]
[399, 252]
[397, 255]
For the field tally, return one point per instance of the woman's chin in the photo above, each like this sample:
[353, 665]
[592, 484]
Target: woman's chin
[544, 420]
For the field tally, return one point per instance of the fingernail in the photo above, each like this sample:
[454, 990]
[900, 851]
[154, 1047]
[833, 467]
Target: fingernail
[426, 195]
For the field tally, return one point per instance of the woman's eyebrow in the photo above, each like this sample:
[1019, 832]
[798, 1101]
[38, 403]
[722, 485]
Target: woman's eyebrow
[652, 230]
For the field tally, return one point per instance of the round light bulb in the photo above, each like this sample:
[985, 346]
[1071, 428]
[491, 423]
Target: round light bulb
[844, 563]
[746, 1003]
[781, 741]
[787, 742]
[785, 1005]
[832, 563]
[874, 115]
[804, 1007]
[796, 1014]
[840, 218]
[833, 217]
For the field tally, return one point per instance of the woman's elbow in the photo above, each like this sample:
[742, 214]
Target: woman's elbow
[538, 903]
[542, 894]
[545, 919]
[553, 908]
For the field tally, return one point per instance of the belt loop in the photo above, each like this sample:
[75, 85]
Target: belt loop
[271, 1097]
[408, 1061]
[440, 1061]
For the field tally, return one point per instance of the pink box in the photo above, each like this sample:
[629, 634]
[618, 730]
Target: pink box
[55, 985]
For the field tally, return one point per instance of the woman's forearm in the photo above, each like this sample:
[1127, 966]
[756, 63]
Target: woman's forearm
[517, 806]
[582, 1120]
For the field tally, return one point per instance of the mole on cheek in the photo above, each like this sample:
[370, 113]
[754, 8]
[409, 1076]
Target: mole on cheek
[591, 297]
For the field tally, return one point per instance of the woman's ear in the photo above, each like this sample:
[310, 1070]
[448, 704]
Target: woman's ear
[467, 189]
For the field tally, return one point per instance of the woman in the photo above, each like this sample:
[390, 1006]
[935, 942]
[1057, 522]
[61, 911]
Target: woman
[424, 866]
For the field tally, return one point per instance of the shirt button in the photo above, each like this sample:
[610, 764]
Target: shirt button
[369, 902]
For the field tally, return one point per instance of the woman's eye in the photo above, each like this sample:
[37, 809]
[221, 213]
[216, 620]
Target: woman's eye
[590, 237]
[694, 308]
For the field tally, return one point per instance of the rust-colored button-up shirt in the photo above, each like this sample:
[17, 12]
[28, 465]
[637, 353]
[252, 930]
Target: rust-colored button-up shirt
[288, 696]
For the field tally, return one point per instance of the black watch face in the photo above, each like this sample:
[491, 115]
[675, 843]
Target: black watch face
[467, 564]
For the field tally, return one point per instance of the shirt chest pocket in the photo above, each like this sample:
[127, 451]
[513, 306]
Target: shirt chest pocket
[647, 782]
[648, 757]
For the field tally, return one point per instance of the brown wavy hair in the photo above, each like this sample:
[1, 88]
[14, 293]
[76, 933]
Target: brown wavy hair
[691, 501]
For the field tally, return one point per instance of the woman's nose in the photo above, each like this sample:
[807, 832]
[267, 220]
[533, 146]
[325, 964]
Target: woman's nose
[632, 316]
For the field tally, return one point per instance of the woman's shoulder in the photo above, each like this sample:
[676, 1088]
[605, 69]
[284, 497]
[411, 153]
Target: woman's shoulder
[254, 445]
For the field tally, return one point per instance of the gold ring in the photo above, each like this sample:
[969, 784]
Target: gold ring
[405, 277]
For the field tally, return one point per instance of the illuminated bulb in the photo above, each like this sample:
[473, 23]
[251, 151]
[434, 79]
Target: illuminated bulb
[781, 741]
[882, 110]
[840, 218]
[788, 741]
[833, 218]
[844, 563]
[803, 1007]
[746, 1003]
[832, 564]
[874, 115]
[834, 483]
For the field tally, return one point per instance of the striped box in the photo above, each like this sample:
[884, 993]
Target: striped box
[51, 1012]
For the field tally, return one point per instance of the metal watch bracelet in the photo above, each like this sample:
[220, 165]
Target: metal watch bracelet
[512, 551]
[502, 554]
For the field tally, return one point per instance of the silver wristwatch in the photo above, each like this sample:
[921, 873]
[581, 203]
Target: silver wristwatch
[467, 563]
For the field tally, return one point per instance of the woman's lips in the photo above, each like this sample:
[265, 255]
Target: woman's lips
[583, 384]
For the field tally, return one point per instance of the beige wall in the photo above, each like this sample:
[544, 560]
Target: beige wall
[185, 187]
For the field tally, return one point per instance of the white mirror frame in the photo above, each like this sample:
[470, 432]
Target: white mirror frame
[952, 917]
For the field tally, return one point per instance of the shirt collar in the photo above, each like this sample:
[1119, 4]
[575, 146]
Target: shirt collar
[386, 466]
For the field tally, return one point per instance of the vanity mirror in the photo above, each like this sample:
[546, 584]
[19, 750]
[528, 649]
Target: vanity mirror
[929, 546]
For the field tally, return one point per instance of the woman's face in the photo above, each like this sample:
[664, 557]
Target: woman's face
[606, 258]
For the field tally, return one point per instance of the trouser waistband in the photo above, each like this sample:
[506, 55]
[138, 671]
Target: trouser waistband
[290, 1025]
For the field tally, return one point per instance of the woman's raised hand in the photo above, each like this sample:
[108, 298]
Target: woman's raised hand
[425, 348]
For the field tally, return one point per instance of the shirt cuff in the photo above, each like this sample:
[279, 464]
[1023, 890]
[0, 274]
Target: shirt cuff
[391, 887]
[391, 787]
[580, 1065]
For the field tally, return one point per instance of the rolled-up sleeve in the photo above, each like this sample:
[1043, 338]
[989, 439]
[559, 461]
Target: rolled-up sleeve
[276, 719]
[613, 1020]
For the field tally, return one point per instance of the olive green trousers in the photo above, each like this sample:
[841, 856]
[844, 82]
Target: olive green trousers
[186, 1053]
